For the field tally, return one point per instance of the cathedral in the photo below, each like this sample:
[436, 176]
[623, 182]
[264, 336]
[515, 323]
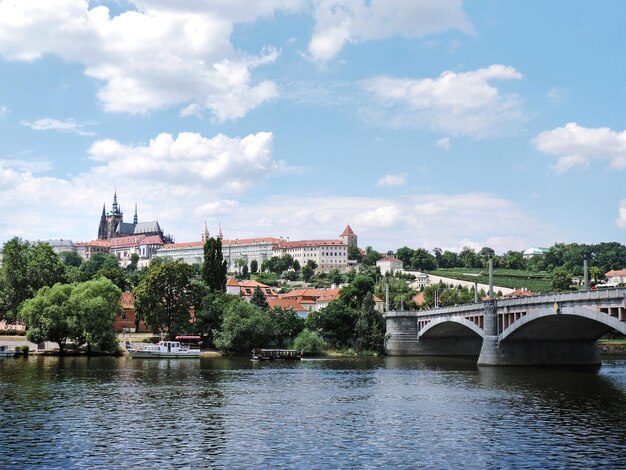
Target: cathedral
[112, 225]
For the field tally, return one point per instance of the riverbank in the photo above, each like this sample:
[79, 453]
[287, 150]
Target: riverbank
[612, 347]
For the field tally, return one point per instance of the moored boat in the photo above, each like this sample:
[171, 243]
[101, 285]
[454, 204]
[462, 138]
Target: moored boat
[275, 355]
[165, 350]
[6, 352]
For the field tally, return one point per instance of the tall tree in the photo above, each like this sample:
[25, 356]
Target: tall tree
[15, 285]
[164, 297]
[369, 327]
[244, 326]
[214, 266]
[258, 298]
[254, 266]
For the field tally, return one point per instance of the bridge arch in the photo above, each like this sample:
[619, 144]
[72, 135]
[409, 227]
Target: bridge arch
[450, 327]
[572, 323]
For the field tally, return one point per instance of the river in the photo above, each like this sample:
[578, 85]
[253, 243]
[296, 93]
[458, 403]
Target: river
[393, 412]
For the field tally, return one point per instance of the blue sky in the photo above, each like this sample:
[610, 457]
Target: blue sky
[419, 122]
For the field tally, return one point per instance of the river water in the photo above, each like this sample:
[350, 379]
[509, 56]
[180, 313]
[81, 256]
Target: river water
[392, 412]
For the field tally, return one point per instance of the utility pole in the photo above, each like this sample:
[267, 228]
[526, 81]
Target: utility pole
[490, 277]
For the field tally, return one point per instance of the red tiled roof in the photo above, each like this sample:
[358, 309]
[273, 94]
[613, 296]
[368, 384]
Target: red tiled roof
[232, 281]
[104, 243]
[390, 258]
[127, 300]
[302, 243]
[519, 293]
[347, 231]
[286, 304]
[172, 246]
[620, 272]
[251, 241]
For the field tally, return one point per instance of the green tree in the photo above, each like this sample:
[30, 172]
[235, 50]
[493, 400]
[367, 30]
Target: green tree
[95, 305]
[469, 258]
[70, 258]
[370, 327]
[134, 260]
[50, 316]
[244, 327]
[353, 294]
[15, 283]
[596, 273]
[210, 312]
[164, 297]
[308, 342]
[561, 279]
[422, 260]
[214, 267]
[371, 256]
[355, 254]
[44, 267]
[116, 275]
[287, 325]
[336, 322]
[97, 262]
[254, 266]
[258, 298]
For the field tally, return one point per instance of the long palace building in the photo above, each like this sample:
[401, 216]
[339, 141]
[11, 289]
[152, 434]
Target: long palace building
[328, 254]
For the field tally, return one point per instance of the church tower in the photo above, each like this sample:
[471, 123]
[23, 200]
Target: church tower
[102, 228]
[348, 237]
[205, 234]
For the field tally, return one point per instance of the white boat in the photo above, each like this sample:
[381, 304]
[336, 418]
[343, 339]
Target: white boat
[165, 350]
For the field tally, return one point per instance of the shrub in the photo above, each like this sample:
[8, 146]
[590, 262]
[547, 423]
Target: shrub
[308, 342]
[12, 332]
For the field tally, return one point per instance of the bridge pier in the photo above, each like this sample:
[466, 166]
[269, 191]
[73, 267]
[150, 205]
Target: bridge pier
[524, 352]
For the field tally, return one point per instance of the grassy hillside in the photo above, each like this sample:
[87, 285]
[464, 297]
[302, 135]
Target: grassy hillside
[514, 279]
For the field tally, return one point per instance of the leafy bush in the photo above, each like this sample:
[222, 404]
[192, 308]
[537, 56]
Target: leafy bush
[309, 342]
[12, 332]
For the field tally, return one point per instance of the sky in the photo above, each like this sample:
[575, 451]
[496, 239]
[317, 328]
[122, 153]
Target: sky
[421, 123]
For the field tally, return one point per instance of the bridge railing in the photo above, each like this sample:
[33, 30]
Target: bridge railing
[616, 294]
[580, 296]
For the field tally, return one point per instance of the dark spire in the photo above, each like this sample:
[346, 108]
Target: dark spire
[115, 201]
[135, 219]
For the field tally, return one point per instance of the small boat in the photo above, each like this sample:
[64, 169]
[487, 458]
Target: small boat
[275, 355]
[165, 350]
[6, 352]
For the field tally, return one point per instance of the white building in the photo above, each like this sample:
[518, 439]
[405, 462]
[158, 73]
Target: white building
[389, 264]
[328, 254]
[189, 252]
[534, 251]
[60, 245]
[87, 249]
[614, 278]
[248, 250]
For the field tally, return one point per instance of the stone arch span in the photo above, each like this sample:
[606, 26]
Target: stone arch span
[570, 324]
[450, 327]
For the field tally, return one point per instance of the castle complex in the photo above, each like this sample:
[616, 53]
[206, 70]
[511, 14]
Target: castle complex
[112, 225]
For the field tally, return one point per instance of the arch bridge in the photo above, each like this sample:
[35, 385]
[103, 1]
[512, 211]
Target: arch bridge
[550, 329]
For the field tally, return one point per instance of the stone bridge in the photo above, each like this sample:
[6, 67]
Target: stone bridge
[551, 329]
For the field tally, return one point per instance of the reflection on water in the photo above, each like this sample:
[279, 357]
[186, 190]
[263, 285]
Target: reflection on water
[365, 412]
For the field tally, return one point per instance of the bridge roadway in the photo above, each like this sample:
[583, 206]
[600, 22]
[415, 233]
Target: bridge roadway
[549, 329]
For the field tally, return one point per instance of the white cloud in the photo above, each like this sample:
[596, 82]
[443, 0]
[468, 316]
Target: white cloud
[224, 163]
[69, 126]
[384, 216]
[156, 56]
[457, 103]
[222, 207]
[621, 218]
[341, 22]
[175, 179]
[574, 145]
[443, 143]
[26, 166]
[392, 180]
[557, 95]
[4, 111]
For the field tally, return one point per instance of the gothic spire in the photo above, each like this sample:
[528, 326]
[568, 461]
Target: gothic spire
[135, 219]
